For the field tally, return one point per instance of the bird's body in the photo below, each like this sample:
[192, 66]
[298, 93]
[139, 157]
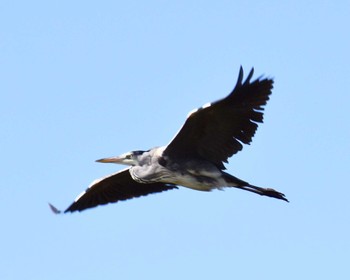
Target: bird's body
[194, 173]
[195, 157]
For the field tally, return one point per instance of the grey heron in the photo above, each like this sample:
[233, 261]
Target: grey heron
[195, 157]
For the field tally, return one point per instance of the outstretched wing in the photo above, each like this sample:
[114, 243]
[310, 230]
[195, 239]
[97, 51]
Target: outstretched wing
[116, 187]
[216, 131]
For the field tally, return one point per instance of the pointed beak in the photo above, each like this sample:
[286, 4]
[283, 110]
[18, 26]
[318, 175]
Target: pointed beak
[111, 160]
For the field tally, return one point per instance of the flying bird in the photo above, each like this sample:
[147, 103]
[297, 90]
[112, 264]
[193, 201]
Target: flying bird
[195, 157]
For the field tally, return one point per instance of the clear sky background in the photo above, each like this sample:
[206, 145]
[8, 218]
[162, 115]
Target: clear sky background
[81, 80]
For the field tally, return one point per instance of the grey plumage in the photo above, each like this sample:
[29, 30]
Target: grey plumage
[195, 157]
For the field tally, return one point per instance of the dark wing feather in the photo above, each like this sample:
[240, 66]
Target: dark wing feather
[116, 187]
[216, 131]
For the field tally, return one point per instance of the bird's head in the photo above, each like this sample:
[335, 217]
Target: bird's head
[130, 158]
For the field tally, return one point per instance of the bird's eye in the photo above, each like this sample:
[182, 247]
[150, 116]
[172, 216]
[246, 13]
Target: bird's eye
[128, 157]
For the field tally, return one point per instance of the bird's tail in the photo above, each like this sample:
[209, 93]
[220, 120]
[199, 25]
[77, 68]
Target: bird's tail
[240, 184]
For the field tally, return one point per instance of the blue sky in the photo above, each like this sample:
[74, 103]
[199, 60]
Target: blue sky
[81, 80]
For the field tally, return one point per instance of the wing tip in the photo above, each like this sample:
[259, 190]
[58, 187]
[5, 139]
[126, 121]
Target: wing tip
[250, 75]
[240, 77]
[240, 82]
[75, 207]
[54, 209]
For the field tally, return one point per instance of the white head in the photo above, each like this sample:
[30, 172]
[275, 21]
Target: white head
[130, 158]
